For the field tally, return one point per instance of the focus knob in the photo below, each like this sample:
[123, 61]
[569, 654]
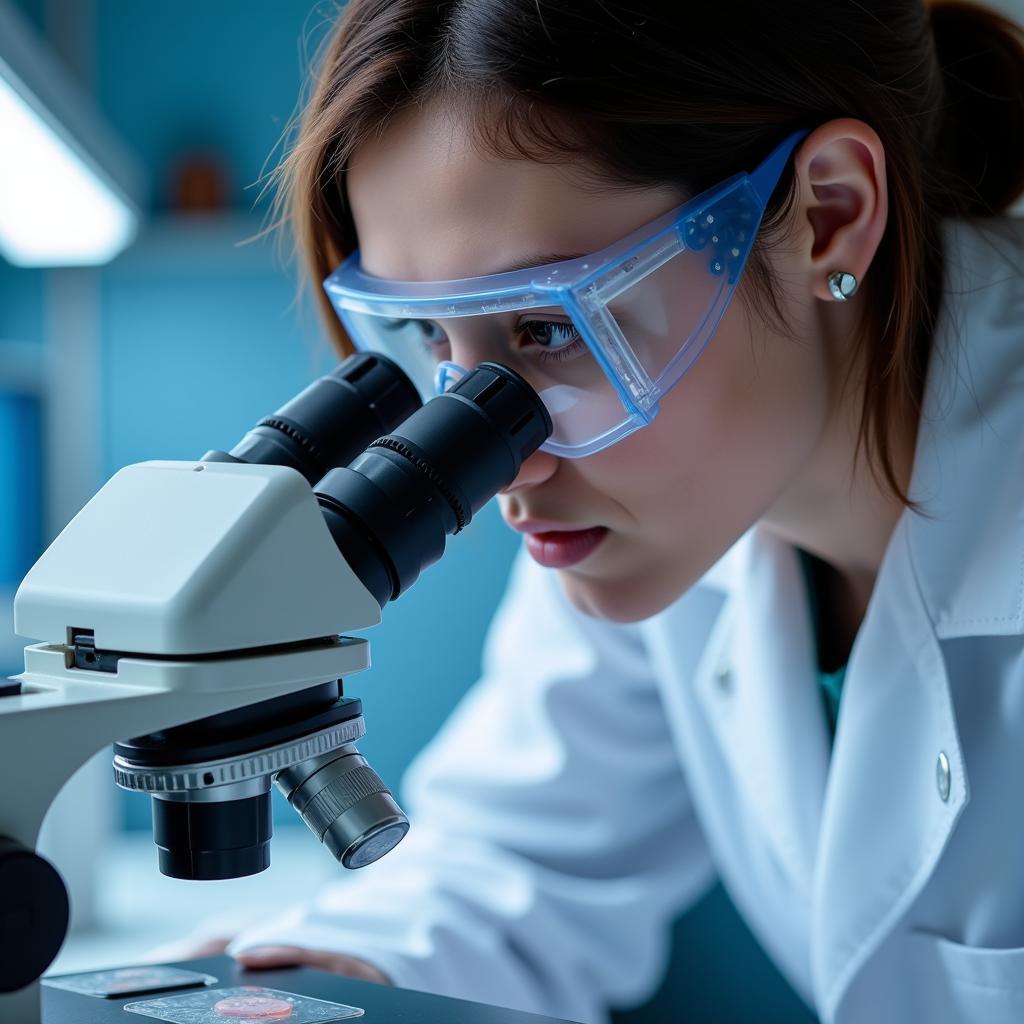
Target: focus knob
[34, 914]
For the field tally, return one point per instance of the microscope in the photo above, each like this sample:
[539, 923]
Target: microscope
[194, 615]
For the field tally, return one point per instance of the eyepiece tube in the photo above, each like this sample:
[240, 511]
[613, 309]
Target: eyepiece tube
[391, 509]
[331, 421]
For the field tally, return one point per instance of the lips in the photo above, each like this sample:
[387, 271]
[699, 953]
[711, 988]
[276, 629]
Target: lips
[558, 549]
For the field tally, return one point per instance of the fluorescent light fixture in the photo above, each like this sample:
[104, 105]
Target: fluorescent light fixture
[64, 200]
[54, 209]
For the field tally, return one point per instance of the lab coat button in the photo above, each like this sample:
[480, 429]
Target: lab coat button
[723, 679]
[942, 775]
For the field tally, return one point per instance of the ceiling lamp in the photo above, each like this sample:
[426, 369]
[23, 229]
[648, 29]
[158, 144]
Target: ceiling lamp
[66, 185]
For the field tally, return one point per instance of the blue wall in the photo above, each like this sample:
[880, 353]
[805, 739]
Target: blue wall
[20, 485]
[21, 303]
[194, 74]
[21, 441]
[21, 311]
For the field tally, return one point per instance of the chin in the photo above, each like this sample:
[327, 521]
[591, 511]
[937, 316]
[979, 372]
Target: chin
[621, 600]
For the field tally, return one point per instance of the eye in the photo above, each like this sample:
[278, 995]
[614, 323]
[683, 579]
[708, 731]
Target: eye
[430, 334]
[548, 334]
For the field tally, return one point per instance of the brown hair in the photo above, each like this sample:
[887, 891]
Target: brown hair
[656, 94]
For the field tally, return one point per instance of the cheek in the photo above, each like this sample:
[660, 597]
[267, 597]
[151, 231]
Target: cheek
[727, 440]
[741, 416]
[752, 407]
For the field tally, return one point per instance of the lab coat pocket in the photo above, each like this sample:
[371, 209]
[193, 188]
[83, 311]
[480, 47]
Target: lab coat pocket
[967, 983]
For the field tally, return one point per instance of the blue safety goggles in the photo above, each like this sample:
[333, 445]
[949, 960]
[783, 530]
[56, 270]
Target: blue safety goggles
[601, 338]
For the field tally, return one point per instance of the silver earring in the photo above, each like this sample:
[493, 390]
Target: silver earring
[841, 285]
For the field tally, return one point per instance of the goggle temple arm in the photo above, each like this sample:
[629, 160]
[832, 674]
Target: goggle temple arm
[766, 177]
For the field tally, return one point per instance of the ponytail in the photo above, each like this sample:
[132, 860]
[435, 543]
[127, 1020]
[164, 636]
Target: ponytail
[979, 150]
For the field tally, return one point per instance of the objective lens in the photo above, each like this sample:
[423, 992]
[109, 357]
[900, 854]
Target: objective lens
[346, 806]
[210, 779]
[228, 839]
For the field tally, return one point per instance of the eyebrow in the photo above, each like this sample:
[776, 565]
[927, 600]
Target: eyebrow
[540, 259]
[536, 260]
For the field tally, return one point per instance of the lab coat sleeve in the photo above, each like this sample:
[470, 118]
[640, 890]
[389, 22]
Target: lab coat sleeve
[552, 838]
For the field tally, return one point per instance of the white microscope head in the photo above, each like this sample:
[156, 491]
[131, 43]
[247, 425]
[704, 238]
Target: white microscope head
[194, 558]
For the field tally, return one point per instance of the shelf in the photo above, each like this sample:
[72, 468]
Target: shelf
[205, 243]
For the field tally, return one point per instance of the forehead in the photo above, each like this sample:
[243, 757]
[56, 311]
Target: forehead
[428, 206]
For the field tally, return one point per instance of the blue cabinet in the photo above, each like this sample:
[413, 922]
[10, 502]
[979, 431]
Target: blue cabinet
[20, 485]
[21, 508]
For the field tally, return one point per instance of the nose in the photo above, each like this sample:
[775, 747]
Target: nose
[540, 466]
[471, 343]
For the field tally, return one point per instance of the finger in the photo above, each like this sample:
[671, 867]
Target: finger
[274, 956]
[266, 957]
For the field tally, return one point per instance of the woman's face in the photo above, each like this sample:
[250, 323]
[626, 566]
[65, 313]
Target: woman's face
[731, 436]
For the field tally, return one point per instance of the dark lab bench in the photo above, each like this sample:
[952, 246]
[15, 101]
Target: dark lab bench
[382, 1003]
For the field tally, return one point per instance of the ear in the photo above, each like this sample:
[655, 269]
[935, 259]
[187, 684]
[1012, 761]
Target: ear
[843, 197]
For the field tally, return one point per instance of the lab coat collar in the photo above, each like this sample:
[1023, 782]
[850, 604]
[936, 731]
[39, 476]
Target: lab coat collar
[813, 810]
[896, 717]
[896, 721]
[761, 697]
[969, 465]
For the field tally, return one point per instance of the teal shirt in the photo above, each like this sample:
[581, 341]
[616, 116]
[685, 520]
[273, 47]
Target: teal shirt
[831, 683]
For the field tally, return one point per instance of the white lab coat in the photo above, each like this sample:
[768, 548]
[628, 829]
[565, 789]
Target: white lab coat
[599, 776]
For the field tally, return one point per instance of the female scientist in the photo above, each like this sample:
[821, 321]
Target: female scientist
[768, 621]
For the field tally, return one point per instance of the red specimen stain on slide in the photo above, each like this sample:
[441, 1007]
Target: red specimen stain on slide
[253, 1008]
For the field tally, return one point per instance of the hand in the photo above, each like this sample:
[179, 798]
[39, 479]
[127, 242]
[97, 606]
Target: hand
[265, 957]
